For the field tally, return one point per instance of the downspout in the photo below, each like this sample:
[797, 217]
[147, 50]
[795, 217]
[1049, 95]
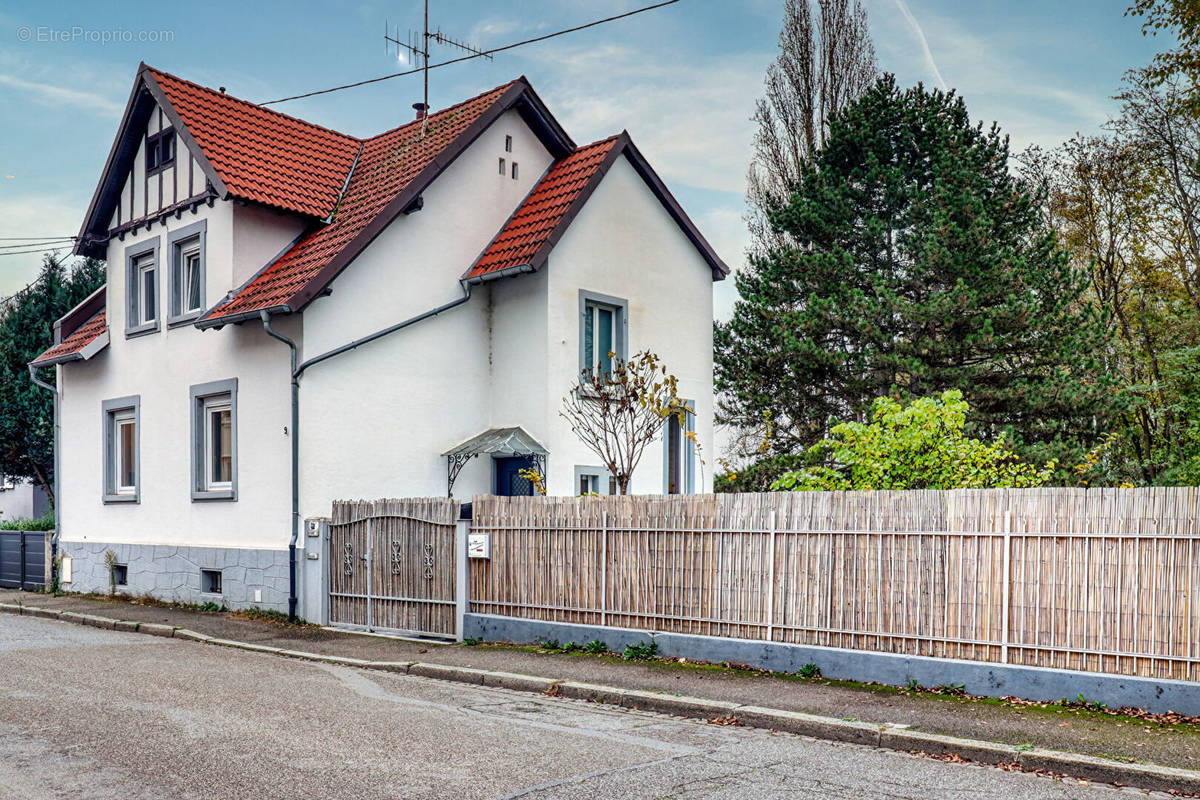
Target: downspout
[57, 496]
[296, 372]
[266, 321]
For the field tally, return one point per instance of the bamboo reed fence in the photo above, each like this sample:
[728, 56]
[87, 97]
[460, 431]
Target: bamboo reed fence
[1101, 580]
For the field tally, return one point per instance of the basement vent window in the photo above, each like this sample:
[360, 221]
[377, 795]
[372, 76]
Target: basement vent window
[503, 167]
[514, 170]
[210, 581]
[120, 574]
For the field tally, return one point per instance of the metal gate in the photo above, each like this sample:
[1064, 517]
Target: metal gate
[23, 560]
[393, 566]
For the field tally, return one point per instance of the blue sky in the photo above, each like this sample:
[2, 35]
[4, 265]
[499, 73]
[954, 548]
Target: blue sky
[682, 79]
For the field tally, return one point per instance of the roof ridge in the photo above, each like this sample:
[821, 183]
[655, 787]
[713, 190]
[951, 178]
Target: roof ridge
[502, 87]
[251, 104]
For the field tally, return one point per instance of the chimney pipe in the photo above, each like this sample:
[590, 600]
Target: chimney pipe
[421, 109]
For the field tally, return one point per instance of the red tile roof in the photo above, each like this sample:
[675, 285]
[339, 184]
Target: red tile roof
[547, 210]
[260, 154]
[70, 348]
[392, 165]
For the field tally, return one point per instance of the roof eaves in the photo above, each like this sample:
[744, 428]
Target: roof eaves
[506, 272]
[242, 316]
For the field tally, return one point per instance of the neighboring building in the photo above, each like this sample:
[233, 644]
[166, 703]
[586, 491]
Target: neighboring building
[229, 228]
[21, 499]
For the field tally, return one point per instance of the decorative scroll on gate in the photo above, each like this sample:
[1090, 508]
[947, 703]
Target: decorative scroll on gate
[397, 568]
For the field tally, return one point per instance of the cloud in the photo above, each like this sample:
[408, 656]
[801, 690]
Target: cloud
[1034, 103]
[916, 27]
[690, 116]
[34, 215]
[49, 94]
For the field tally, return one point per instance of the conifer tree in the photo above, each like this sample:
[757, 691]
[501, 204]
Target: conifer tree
[26, 330]
[913, 262]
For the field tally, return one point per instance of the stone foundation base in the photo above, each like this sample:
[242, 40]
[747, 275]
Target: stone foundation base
[173, 573]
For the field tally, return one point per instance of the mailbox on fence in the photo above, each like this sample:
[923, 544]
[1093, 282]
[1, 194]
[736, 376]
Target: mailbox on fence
[479, 545]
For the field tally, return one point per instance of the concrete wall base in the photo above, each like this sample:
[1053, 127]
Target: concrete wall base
[172, 573]
[977, 677]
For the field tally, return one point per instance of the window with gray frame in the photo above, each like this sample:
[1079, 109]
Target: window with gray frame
[141, 287]
[185, 280]
[121, 420]
[603, 330]
[214, 440]
[594, 480]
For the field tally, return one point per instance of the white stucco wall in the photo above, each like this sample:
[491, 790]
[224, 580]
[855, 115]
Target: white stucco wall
[24, 500]
[624, 244]
[375, 421]
[161, 367]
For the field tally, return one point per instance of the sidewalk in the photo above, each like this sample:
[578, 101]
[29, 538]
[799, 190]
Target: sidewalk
[1085, 732]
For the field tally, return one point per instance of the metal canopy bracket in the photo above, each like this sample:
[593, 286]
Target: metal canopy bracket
[505, 442]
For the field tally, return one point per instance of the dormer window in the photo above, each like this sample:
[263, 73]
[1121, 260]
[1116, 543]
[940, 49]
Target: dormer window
[160, 150]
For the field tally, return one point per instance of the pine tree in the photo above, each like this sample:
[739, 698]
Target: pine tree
[920, 264]
[27, 330]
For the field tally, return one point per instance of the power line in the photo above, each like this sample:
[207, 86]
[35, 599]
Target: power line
[472, 55]
[34, 238]
[43, 243]
[35, 250]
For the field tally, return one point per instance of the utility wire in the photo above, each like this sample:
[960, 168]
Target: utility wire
[35, 250]
[472, 55]
[34, 238]
[46, 243]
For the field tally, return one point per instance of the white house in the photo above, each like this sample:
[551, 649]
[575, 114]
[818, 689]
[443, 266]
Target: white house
[294, 315]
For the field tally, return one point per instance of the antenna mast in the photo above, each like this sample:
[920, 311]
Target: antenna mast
[417, 47]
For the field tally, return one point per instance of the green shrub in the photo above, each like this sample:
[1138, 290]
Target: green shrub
[641, 652]
[43, 523]
[596, 647]
[809, 671]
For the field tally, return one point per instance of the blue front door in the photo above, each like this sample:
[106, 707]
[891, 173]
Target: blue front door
[509, 482]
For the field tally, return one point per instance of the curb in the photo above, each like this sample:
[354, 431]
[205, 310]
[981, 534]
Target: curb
[1092, 768]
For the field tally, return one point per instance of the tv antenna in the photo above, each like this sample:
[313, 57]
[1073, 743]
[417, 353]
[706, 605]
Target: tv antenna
[416, 46]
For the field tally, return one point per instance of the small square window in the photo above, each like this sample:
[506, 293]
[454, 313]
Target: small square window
[160, 151]
[120, 574]
[514, 170]
[503, 167]
[210, 581]
[508, 144]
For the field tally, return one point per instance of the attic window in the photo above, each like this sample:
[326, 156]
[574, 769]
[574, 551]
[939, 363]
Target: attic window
[508, 144]
[514, 170]
[160, 150]
[503, 167]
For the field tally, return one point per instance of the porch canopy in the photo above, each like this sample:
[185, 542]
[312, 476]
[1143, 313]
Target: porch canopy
[502, 442]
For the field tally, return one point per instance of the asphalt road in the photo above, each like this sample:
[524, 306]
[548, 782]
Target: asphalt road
[93, 714]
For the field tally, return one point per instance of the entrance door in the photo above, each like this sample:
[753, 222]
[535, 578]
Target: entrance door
[509, 482]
